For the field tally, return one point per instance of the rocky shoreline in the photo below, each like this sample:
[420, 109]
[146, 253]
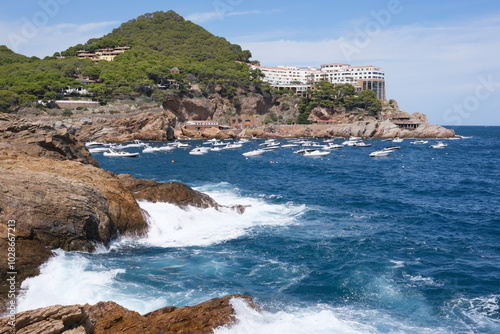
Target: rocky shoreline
[59, 197]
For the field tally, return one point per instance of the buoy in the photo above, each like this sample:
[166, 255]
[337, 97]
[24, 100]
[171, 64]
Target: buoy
[172, 161]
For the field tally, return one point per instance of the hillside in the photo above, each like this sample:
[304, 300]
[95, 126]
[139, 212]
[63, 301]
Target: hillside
[7, 56]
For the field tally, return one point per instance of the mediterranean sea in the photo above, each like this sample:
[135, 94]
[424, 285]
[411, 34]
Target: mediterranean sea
[346, 243]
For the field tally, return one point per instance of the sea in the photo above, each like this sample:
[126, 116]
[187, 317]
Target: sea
[346, 243]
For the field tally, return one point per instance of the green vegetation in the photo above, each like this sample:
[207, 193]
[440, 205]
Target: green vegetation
[159, 42]
[329, 96]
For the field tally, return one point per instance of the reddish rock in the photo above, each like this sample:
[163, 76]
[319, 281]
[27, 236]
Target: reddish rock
[172, 192]
[109, 317]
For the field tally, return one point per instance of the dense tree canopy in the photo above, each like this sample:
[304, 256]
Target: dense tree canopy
[329, 96]
[159, 42]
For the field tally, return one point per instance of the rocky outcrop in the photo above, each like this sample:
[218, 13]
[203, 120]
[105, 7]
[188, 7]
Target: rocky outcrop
[60, 198]
[109, 317]
[145, 126]
[172, 192]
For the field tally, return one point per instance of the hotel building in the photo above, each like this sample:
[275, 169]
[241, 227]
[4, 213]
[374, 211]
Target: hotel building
[299, 79]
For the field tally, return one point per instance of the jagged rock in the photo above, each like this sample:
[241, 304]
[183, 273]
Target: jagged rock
[50, 320]
[172, 192]
[157, 126]
[109, 317]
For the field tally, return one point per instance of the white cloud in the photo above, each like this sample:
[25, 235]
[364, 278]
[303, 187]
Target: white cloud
[31, 40]
[428, 69]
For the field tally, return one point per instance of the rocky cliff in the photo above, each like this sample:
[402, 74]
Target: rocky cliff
[60, 198]
[109, 317]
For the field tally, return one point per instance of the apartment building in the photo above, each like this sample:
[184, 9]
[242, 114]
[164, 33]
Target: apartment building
[299, 79]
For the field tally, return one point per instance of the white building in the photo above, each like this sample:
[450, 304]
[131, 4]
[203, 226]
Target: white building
[300, 79]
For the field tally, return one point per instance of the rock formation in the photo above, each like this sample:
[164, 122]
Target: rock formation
[172, 192]
[60, 198]
[144, 126]
[109, 317]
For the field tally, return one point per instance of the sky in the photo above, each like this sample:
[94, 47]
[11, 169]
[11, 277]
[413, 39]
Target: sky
[440, 57]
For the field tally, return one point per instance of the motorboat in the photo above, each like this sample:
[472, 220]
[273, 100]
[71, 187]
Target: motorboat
[217, 148]
[254, 153]
[98, 149]
[315, 153]
[351, 142]
[198, 151]
[439, 144]
[304, 150]
[397, 140]
[332, 146]
[361, 144]
[382, 153]
[150, 149]
[271, 142]
[232, 146]
[136, 143]
[391, 148]
[289, 145]
[93, 143]
[419, 142]
[113, 153]
[167, 148]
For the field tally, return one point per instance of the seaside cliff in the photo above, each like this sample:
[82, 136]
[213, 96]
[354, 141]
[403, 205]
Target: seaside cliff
[59, 197]
[168, 123]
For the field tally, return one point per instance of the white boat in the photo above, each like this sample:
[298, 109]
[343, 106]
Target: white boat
[332, 146]
[167, 148]
[254, 153]
[315, 153]
[217, 149]
[381, 153]
[419, 142]
[304, 150]
[397, 140]
[113, 153]
[198, 151]
[289, 145]
[93, 143]
[351, 142]
[232, 146]
[136, 143]
[439, 144]
[98, 149]
[361, 144]
[150, 149]
[391, 148]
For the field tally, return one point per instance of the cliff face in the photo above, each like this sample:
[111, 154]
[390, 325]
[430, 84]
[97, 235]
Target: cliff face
[145, 126]
[60, 198]
[109, 317]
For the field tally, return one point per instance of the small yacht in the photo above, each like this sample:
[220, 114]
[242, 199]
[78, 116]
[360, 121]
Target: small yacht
[98, 149]
[315, 153]
[419, 142]
[397, 140]
[332, 146]
[199, 151]
[150, 149]
[361, 144]
[254, 153]
[439, 144]
[391, 148]
[233, 146]
[113, 153]
[381, 153]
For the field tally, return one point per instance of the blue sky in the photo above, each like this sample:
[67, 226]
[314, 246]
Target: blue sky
[440, 57]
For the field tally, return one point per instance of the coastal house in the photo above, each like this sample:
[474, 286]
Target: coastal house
[299, 79]
[108, 54]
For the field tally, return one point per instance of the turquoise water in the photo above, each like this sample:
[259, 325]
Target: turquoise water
[408, 243]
